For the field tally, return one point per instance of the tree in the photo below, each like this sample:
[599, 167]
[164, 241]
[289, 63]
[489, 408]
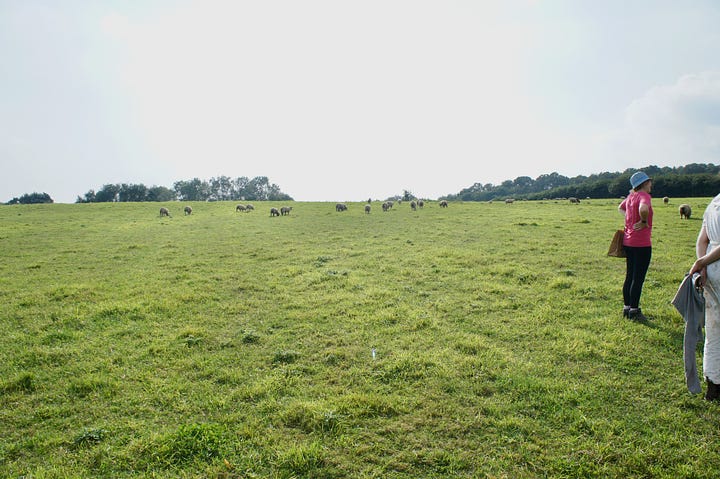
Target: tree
[221, 188]
[32, 198]
[130, 192]
[193, 190]
[550, 181]
[161, 193]
[107, 193]
[89, 197]
[239, 185]
[523, 182]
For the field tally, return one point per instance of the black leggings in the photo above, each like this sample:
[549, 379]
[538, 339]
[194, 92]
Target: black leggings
[638, 262]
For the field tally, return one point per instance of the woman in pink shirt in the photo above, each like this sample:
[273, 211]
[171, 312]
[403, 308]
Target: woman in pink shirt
[638, 212]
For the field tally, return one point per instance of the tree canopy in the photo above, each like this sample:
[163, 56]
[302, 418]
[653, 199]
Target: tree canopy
[32, 198]
[684, 181]
[222, 188]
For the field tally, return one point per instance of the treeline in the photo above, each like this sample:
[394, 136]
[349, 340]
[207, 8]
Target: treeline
[222, 188]
[31, 199]
[684, 181]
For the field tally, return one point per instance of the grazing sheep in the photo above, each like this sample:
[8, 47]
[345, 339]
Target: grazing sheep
[240, 208]
[187, 210]
[509, 200]
[413, 206]
[249, 208]
[285, 210]
[666, 200]
[685, 211]
[274, 212]
[574, 200]
[386, 206]
[340, 207]
[367, 209]
[421, 203]
[443, 204]
[164, 212]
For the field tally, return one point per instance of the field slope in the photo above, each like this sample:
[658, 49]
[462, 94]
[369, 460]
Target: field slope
[480, 340]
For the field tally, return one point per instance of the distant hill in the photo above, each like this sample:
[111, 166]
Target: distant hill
[694, 179]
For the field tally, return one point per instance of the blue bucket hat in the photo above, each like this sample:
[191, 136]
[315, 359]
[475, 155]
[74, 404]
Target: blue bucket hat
[638, 179]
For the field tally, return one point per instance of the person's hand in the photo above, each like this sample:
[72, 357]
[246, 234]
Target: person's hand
[698, 267]
[639, 225]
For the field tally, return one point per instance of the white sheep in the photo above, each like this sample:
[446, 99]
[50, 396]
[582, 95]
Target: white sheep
[685, 211]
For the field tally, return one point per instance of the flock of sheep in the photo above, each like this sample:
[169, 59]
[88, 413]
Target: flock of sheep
[285, 210]
[684, 209]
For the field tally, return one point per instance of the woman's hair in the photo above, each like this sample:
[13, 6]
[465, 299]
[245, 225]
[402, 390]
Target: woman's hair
[639, 187]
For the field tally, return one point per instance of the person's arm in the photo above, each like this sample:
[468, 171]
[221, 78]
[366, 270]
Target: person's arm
[704, 258]
[644, 211]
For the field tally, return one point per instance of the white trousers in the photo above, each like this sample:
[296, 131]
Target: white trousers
[711, 351]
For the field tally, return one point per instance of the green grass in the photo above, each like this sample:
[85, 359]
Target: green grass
[231, 345]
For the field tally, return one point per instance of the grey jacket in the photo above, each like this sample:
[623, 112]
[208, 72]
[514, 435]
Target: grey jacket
[690, 302]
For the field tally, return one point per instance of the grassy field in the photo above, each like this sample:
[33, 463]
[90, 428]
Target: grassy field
[481, 340]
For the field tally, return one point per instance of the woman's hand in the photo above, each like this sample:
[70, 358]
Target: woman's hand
[699, 267]
[640, 225]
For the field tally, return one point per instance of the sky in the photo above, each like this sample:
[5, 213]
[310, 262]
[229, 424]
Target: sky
[347, 100]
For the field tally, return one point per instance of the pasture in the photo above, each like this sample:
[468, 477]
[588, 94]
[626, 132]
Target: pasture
[478, 340]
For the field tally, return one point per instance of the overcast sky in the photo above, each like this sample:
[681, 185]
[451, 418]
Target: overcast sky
[346, 100]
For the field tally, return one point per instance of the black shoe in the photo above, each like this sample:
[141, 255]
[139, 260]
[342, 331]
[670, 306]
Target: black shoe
[636, 315]
[626, 311]
[713, 391]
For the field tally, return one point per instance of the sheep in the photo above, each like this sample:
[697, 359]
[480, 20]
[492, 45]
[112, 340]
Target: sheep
[509, 200]
[164, 212]
[285, 210]
[274, 212]
[240, 208]
[249, 208]
[413, 206]
[421, 203]
[666, 200]
[367, 209]
[685, 211]
[187, 210]
[574, 200]
[443, 204]
[340, 207]
[386, 206]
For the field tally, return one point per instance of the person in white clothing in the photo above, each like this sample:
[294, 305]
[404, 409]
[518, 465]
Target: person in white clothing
[707, 264]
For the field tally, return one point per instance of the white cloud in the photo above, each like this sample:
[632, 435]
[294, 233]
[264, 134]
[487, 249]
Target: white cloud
[672, 125]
